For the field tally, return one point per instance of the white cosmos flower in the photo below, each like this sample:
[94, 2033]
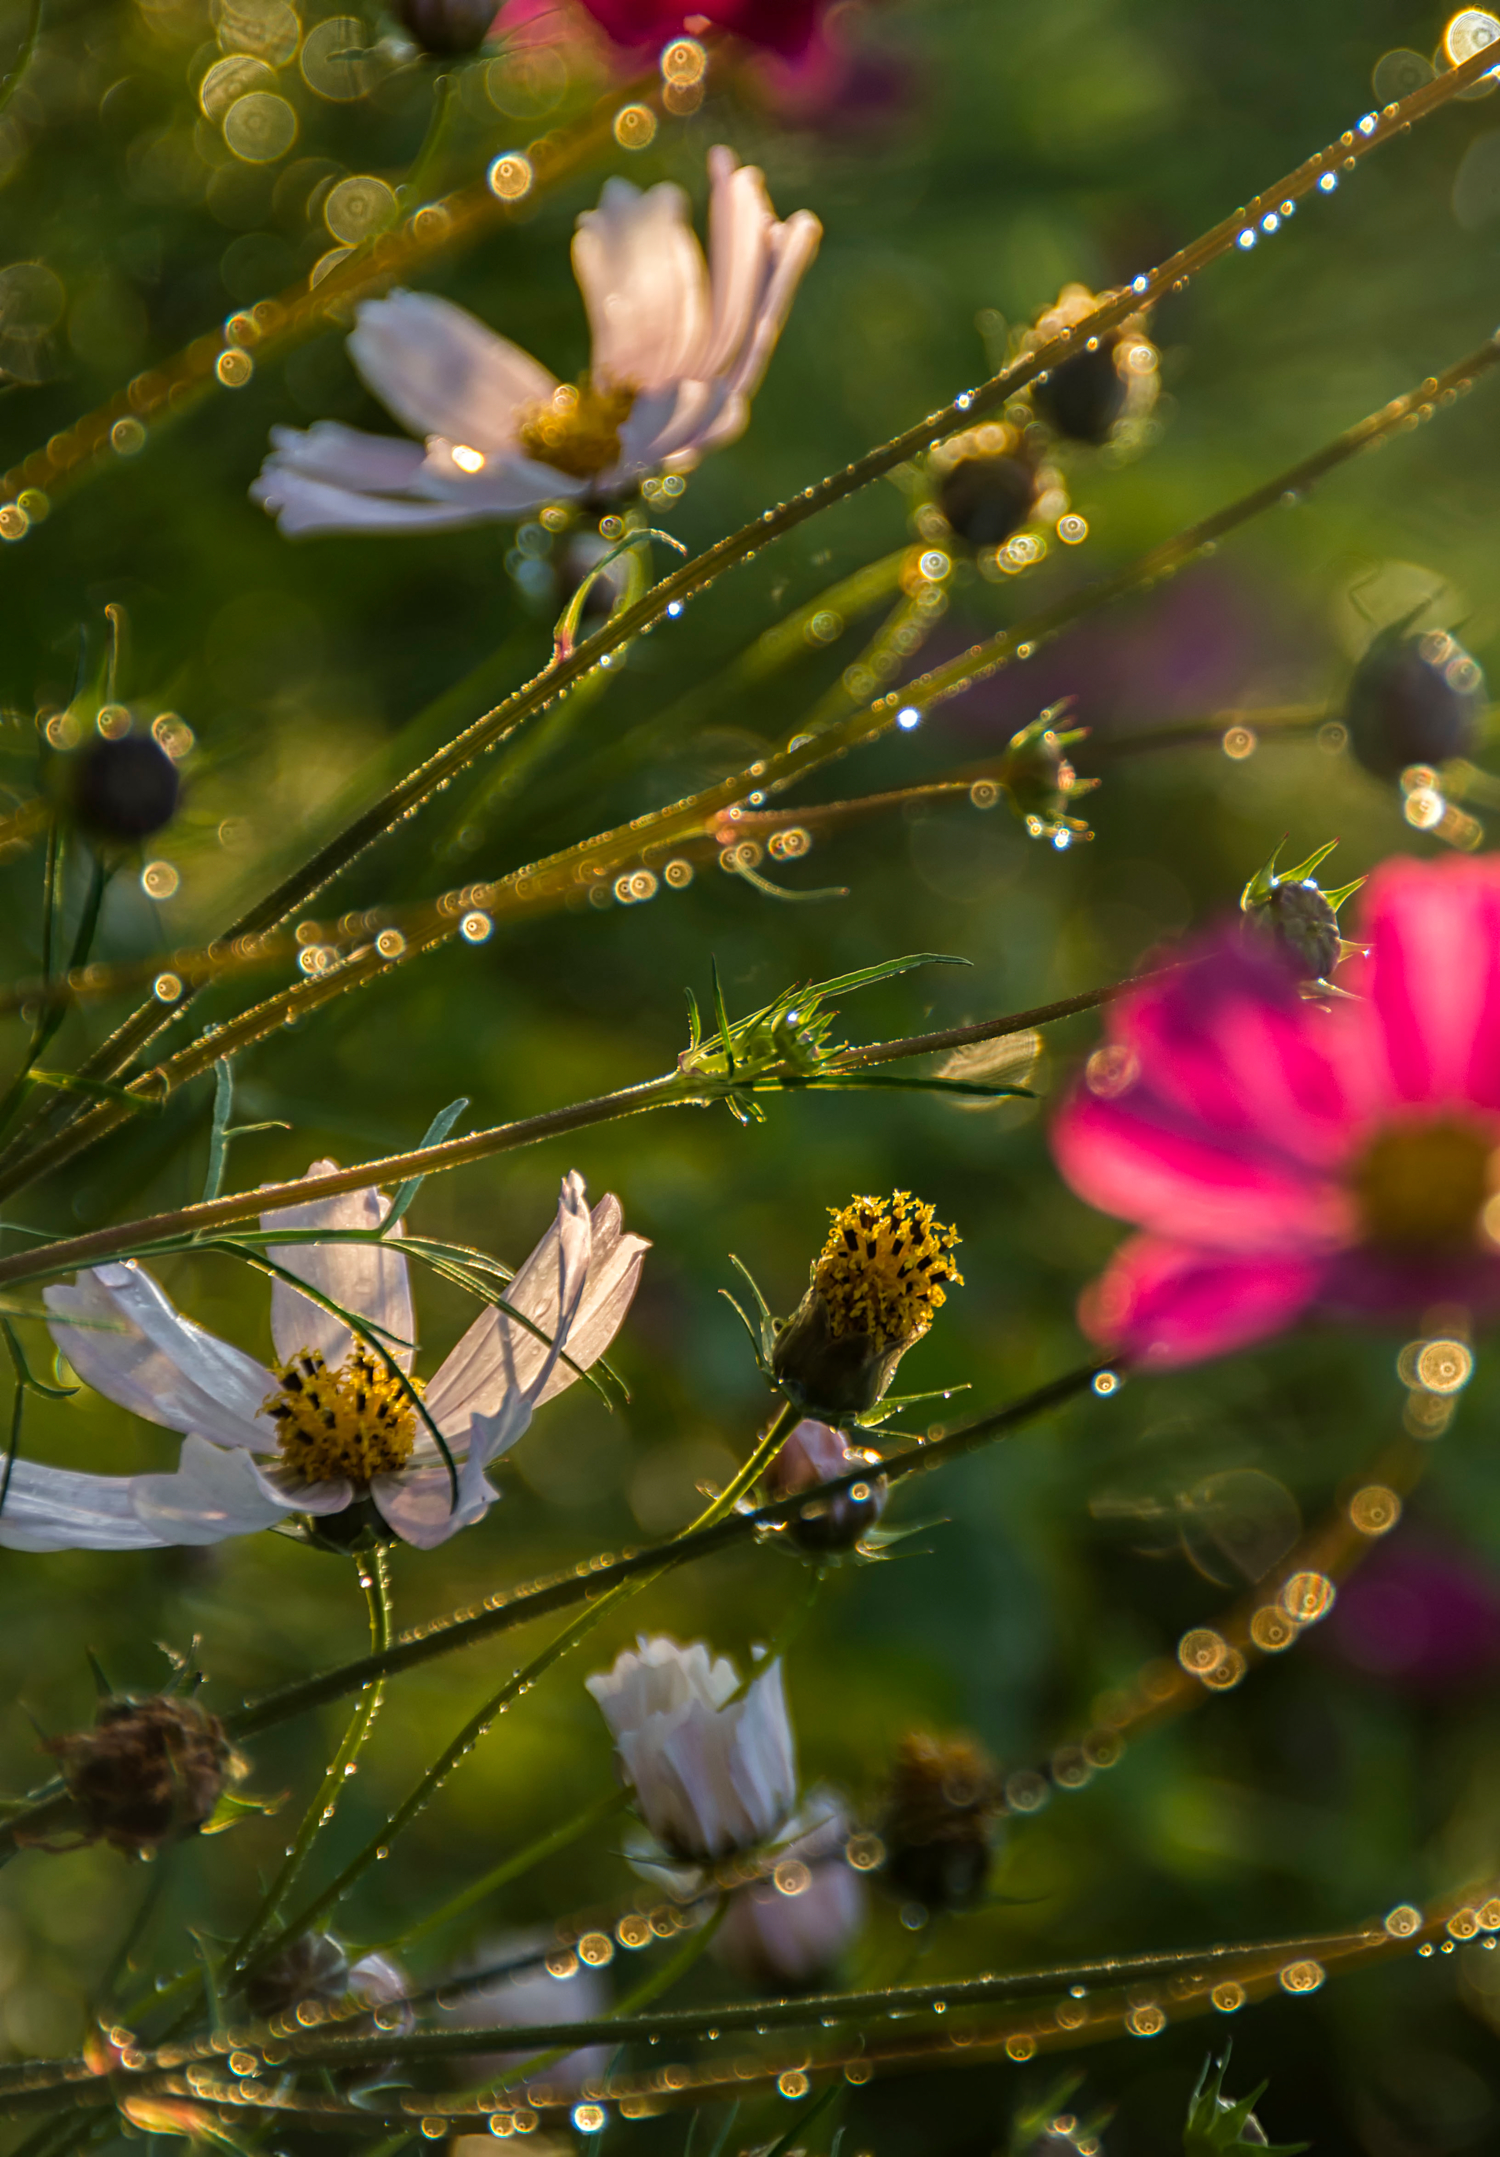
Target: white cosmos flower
[711, 1774]
[679, 349]
[329, 1425]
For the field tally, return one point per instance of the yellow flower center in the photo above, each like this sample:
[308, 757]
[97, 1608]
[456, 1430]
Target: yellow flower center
[357, 1421]
[1421, 1186]
[577, 431]
[882, 1269]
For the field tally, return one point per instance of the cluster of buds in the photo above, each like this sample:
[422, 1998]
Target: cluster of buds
[148, 1771]
[944, 1800]
[1038, 776]
[1301, 919]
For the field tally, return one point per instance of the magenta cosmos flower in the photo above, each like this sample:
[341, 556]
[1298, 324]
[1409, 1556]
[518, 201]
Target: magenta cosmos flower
[784, 26]
[1280, 1156]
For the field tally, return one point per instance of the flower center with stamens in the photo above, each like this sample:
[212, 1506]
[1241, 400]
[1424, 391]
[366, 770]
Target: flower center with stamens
[883, 1267]
[357, 1421]
[577, 431]
[1424, 1186]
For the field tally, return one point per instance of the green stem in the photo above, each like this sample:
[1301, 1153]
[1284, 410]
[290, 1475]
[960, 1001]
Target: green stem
[374, 1579]
[509, 1868]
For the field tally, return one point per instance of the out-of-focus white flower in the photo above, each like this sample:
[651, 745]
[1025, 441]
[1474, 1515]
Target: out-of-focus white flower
[533, 1992]
[679, 349]
[330, 1424]
[790, 1929]
[710, 1773]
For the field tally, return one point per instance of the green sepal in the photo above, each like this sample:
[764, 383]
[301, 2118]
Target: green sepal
[232, 1809]
[1215, 2124]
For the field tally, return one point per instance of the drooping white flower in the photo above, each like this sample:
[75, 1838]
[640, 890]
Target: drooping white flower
[711, 1774]
[679, 349]
[329, 1424]
[793, 1927]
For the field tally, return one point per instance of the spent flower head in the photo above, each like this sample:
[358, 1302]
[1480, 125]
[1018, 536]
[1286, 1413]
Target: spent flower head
[1415, 698]
[943, 1801]
[882, 1274]
[148, 1771]
[1300, 917]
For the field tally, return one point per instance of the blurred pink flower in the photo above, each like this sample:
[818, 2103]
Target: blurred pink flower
[790, 1930]
[1421, 1610]
[784, 26]
[1281, 1157]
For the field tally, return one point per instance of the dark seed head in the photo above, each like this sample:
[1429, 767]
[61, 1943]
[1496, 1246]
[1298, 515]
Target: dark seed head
[1083, 397]
[123, 790]
[944, 1797]
[986, 500]
[1413, 699]
[148, 1770]
[447, 27]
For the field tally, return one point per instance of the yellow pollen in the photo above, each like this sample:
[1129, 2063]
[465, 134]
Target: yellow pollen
[577, 431]
[1424, 1185]
[883, 1268]
[356, 1421]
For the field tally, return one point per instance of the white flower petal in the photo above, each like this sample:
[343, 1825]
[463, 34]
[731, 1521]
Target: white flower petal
[418, 1504]
[344, 457]
[157, 1363]
[441, 371]
[793, 246]
[310, 508]
[61, 1509]
[740, 222]
[370, 1280]
[212, 1495]
[645, 285]
[507, 485]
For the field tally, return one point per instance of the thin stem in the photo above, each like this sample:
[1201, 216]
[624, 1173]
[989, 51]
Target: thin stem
[374, 1579]
[508, 1869]
[11, 82]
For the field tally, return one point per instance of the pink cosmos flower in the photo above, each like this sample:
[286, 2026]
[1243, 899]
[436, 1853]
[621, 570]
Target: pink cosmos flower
[1281, 1157]
[783, 26]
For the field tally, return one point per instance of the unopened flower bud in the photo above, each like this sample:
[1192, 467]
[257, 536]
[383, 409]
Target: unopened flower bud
[712, 1773]
[792, 1928]
[816, 1453]
[313, 1966]
[1299, 919]
[872, 1295]
[1084, 397]
[123, 789]
[447, 27]
[943, 1801]
[148, 1770]
[1413, 699]
[986, 500]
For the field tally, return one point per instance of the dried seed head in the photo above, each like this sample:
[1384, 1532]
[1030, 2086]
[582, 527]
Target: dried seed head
[1085, 396]
[147, 1771]
[124, 789]
[986, 500]
[944, 1798]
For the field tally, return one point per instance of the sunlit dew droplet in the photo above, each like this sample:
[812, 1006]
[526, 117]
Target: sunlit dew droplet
[1147, 2021]
[1247, 239]
[1239, 742]
[260, 128]
[511, 176]
[1472, 30]
[635, 127]
[684, 61]
[14, 522]
[1272, 1630]
[357, 207]
[475, 928]
[1020, 2047]
[793, 2083]
[1228, 1996]
[1299, 1977]
[127, 437]
[1072, 529]
[1307, 1597]
[908, 717]
[334, 63]
[233, 77]
[390, 943]
[1329, 182]
[588, 2119]
[159, 880]
[1201, 1650]
[166, 988]
[234, 368]
[1374, 1510]
[1444, 1366]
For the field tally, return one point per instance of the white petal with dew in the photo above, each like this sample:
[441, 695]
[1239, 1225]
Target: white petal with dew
[143, 1354]
[442, 371]
[364, 463]
[368, 1279]
[312, 509]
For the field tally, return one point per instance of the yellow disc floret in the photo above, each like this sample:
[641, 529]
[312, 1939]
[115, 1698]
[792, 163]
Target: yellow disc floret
[883, 1268]
[356, 1421]
[577, 431]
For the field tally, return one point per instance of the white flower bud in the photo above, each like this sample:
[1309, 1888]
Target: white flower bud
[711, 1774]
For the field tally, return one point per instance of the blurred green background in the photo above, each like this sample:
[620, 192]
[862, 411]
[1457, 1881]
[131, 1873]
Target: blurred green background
[995, 151]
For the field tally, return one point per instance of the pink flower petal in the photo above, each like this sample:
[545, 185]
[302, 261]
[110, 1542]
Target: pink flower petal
[1433, 979]
[1167, 1304]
